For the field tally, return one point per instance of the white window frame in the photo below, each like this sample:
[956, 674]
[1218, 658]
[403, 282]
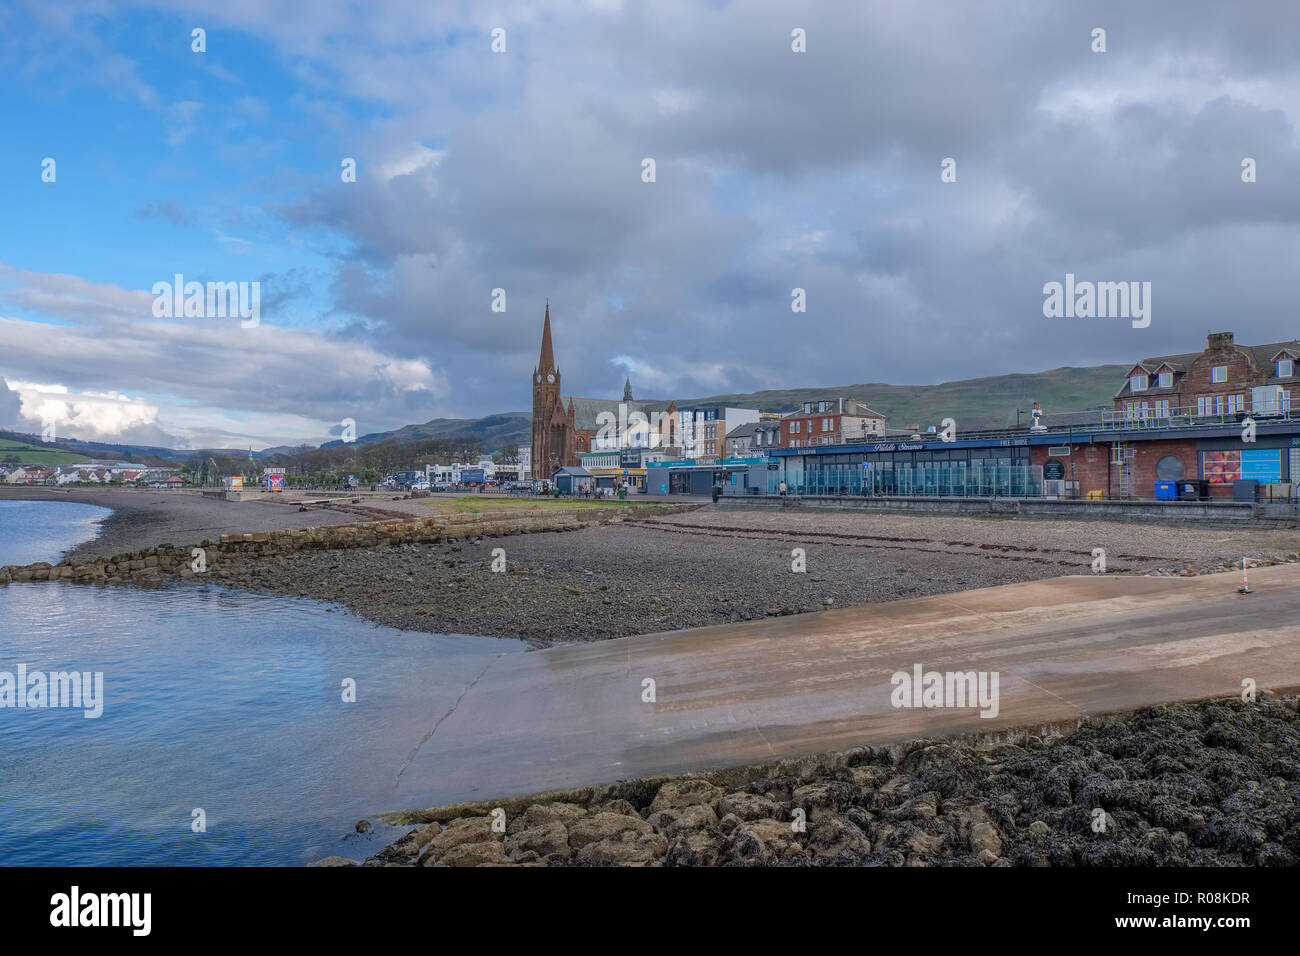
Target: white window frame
[1133, 381]
[1218, 374]
[1288, 365]
[1166, 379]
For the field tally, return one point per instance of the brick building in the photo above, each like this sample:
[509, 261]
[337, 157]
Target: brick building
[833, 421]
[1224, 379]
[1223, 416]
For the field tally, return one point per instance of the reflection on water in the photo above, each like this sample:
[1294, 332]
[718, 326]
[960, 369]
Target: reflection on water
[32, 531]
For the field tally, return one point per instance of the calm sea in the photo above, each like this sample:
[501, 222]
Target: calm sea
[215, 700]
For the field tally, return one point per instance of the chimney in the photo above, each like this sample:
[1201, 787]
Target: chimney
[1219, 340]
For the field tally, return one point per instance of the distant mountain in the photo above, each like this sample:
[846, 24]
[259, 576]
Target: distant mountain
[139, 454]
[493, 432]
[973, 403]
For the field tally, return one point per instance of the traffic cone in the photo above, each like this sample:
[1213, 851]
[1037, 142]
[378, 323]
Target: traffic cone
[1245, 583]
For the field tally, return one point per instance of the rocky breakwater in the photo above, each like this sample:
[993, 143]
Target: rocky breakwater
[166, 560]
[1212, 783]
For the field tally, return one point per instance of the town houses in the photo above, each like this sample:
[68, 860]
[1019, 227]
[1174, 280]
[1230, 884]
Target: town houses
[87, 473]
[1215, 424]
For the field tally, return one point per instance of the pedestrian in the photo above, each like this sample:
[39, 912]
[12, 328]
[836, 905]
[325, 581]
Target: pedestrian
[783, 489]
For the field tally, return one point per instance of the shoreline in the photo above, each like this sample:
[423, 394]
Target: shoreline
[573, 577]
[145, 518]
[595, 574]
[1206, 783]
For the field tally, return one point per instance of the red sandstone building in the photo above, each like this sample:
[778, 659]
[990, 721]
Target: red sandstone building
[1223, 416]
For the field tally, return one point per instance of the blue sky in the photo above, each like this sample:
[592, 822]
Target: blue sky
[521, 170]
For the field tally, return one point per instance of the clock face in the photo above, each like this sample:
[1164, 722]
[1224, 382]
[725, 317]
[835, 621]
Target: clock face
[539, 378]
[550, 378]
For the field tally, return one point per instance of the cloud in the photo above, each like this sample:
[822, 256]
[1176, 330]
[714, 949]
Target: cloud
[168, 209]
[775, 170]
[109, 345]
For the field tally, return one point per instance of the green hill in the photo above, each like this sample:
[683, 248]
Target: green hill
[974, 402]
[14, 452]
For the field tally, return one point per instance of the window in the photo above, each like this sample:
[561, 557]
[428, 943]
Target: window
[1137, 382]
[794, 428]
[1218, 404]
[1166, 379]
[1169, 468]
[826, 424]
[1162, 408]
[1203, 405]
[1236, 403]
[1285, 368]
[1219, 373]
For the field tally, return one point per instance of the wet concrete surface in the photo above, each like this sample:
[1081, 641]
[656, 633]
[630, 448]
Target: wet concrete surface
[744, 693]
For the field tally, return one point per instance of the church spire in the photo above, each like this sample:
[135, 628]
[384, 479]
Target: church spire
[627, 389]
[547, 361]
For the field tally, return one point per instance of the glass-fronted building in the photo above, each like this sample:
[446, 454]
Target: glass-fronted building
[904, 468]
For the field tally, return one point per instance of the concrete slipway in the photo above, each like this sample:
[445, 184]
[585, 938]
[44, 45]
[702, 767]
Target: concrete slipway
[746, 693]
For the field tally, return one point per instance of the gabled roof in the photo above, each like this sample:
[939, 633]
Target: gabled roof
[1262, 356]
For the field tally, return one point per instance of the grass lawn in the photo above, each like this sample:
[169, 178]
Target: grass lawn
[477, 504]
[29, 454]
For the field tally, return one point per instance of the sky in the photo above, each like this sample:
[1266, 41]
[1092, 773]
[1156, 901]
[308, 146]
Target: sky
[523, 169]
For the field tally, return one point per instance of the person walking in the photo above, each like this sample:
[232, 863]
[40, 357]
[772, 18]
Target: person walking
[783, 489]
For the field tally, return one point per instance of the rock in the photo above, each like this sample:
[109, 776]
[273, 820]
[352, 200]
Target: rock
[924, 845]
[984, 836]
[628, 848]
[605, 826]
[672, 822]
[334, 861]
[619, 806]
[1039, 829]
[747, 806]
[363, 826]
[814, 795]
[458, 832]
[540, 814]
[543, 840]
[834, 836]
[685, 793]
[760, 841]
[473, 854]
[694, 849]
[986, 857]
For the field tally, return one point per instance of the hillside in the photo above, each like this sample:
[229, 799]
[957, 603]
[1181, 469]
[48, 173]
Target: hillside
[493, 431]
[974, 403]
[36, 453]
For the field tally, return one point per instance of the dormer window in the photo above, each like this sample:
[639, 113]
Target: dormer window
[1285, 368]
[1166, 379]
[1137, 382]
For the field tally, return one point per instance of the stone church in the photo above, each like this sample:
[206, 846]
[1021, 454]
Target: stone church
[555, 436]
[563, 429]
